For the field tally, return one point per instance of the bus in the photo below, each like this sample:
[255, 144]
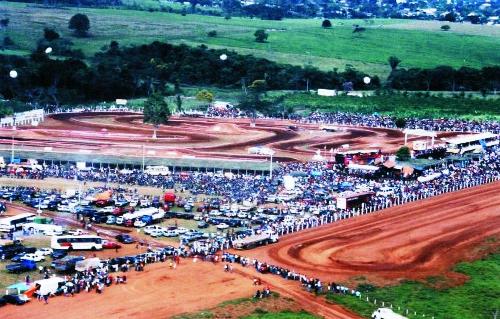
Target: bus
[471, 143]
[348, 200]
[13, 223]
[83, 242]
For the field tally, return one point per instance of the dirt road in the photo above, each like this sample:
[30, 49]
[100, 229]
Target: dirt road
[416, 240]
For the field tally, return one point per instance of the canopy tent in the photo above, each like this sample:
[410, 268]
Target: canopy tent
[19, 288]
[49, 286]
[90, 263]
[370, 168]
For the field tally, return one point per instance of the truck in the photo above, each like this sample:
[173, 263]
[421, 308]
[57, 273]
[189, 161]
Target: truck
[66, 264]
[386, 313]
[24, 265]
[46, 229]
[255, 240]
[10, 249]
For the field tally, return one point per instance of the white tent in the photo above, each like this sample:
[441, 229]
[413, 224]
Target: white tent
[49, 286]
[86, 264]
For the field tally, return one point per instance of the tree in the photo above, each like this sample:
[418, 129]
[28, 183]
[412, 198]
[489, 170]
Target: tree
[445, 27]
[50, 34]
[80, 24]
[260, 36]
[403, 154]
[326, 24]
[156, 111]
[393, 62]
[450, 17]
[178, 103]
[400, 122]
[4, 22]
[205, 95]
[7, 41]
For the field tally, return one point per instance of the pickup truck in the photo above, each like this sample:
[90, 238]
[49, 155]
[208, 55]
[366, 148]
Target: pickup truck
[24, 265]
[67, 263]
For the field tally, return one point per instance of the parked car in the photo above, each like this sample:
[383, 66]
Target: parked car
[202, 224]
[16, 299]
[125, 239]
[59, 253]
[44, 251]
[222, 226]
[67, 263]
[33, 257]
[24, 265]
[77, 232]
[170, 233]
[110, 245]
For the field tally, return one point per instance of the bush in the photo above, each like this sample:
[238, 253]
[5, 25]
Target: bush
[403, 154]
[326, 24]
[260, 36]
[445, 27]
[7, 41]
[212, 34]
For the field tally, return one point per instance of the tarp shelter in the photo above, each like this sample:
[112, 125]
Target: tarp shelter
[316, 173]
[106, 195]
[407, 171]
[298, 174]
[50, 285]
[87, 264]
[17, 288]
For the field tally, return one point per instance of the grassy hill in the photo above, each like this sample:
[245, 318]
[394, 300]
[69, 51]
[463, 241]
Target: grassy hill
[297, 41]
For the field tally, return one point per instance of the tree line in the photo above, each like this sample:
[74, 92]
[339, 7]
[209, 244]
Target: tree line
[138, 71]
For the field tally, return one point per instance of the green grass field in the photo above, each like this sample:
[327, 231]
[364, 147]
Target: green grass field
[476, 299]
[295, 41]
[400, 106]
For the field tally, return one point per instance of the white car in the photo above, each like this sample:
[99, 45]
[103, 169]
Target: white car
[385, 191]
[156, 233]
[222, 226]
[215, 212]
[134, 202]
[33, 257]
[181, 230]
[63, 208]
[107, 209]
[242, 215]
[77, 232]
[139, 223]
[149, 229]
[198, 217]
[43, 251]
[170, 233]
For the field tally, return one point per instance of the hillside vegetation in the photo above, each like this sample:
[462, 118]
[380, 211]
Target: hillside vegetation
[297, 41]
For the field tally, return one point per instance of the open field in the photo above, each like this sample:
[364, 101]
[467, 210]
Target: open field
[297, 41]
[226, 139]
[475, 299]
[413, 241]
[400, 106]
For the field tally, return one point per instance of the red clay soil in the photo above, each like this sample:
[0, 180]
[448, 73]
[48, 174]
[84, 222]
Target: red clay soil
[412, 241]
[124, 133]
[158, 292]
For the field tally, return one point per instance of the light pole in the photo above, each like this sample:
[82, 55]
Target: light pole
[271, 165]
[143, 159]
[12, 144]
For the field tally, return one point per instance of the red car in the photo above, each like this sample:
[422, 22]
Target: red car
[111, 245]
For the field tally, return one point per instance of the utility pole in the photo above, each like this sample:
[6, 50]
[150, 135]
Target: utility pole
[143, 159]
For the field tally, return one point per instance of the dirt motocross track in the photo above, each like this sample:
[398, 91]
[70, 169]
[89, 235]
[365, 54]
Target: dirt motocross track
[413, 241]
[125, 134]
